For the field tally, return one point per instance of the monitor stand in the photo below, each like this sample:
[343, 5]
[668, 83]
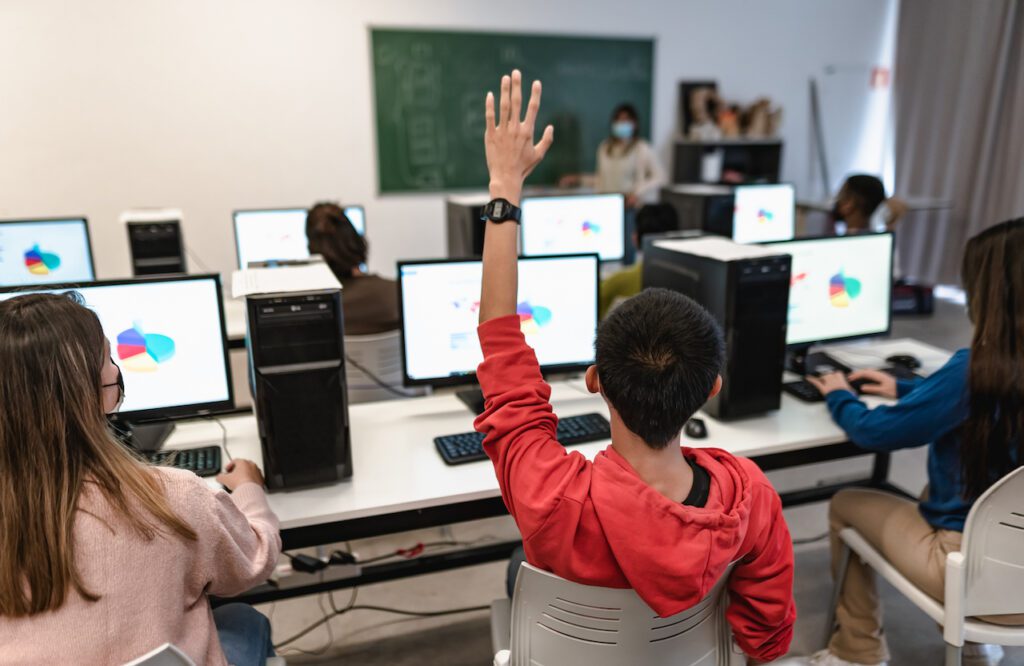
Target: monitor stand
[144, 437]
[474, 399]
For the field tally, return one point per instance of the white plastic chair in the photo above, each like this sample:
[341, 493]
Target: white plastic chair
[555, 622]
[380, 354]
[986, 577]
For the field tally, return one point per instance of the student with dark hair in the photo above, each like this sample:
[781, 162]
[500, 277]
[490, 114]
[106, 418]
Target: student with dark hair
[626, 163]
[862, 206]
[370, 302]
[971, 417]
[647, 513]
[652, 219]
[104, 558]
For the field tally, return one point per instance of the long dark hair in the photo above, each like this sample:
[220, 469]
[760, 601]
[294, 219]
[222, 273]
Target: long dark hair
[993, 275]
[625, 109]
[330, 234]
[54, 439]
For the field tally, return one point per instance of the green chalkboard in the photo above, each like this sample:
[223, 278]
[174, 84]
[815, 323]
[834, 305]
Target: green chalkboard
[429, 89]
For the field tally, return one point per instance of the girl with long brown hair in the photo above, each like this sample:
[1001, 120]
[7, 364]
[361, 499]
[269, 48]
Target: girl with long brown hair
[102, 557]
[970, 413]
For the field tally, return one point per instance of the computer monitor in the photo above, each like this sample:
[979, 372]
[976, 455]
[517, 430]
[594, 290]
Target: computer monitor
[840, 288]
[764, 213]
[167, 336]
[439, 306]
[279, 234]
[574, 224]
[45, 251]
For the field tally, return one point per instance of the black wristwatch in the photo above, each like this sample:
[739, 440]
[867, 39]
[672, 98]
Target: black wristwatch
[501, 210]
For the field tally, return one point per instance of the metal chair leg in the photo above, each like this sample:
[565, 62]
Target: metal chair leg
[954, 655]
[844, 563]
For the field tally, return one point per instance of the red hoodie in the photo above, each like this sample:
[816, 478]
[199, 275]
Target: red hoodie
[600, 524]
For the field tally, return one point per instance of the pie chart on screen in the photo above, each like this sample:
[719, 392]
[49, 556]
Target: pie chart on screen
[41, 263]
[590, 229]
[843, 289]
[532, 318]
[143, 352]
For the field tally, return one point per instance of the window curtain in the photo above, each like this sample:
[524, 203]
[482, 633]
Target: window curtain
[959, 98]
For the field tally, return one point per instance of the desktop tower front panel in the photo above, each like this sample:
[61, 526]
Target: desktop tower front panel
[157, 248]
[297, 372]
[749, 297]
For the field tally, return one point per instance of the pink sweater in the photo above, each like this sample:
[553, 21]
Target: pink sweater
[152, 592]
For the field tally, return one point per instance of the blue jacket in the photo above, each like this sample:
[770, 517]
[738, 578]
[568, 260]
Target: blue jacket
[930, 411]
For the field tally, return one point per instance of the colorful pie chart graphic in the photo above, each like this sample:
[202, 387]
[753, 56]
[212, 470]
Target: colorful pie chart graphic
[532, 318]
[143, 352]
[842, 290]
[764, 216]
[590, 229]
[41, 263]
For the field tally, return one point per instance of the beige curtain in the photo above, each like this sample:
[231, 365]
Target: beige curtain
[959, 95]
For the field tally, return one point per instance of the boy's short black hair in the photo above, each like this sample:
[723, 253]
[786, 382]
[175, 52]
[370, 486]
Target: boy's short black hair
[655, 219]
[658, 356]
[867, 192]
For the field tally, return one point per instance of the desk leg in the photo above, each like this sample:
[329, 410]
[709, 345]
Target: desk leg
[880, 469]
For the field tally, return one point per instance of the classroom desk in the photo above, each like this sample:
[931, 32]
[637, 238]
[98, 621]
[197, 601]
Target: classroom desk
[400, 482]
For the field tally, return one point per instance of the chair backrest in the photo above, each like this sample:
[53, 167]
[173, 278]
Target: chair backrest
[381, 355]
[993, 547]
[556, 622]
[165, 655]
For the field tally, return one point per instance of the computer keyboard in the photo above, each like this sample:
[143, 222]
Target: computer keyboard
[806, 391]
[468, 446]
[204, 461]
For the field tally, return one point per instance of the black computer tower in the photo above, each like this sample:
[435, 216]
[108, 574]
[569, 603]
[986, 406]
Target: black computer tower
[297, 372]
[157, 247]
[746, 288]
[465, 229]
[706, 207]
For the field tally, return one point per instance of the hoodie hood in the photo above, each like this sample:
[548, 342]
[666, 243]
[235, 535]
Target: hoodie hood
[672, 568]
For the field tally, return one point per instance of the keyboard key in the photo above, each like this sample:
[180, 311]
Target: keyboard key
[468, 447]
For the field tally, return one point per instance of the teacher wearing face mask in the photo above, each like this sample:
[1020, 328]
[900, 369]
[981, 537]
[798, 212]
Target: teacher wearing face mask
[625, 163]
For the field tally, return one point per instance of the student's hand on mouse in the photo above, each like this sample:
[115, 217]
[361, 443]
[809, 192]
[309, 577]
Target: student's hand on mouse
[879, 383]
[240, 471]
[508, 139]
[833, 381]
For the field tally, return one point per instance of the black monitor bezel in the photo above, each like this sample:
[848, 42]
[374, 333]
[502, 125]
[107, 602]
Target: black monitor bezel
[469, 378]
[570, 195]
[792, 187]
[861, 336]
[234, 221]
[69, 218]
[161, 413]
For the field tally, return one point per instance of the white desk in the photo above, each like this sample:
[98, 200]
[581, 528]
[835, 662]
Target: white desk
[397, 470]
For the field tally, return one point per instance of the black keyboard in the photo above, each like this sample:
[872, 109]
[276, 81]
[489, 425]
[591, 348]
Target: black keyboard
[204, 461]
[805, 391]
[468, 446]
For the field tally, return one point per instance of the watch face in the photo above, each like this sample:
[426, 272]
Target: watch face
[499, 209]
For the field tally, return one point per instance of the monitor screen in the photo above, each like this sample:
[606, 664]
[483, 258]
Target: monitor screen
[574, 225]
[840, 287]
[764, 213]
[167, 336]
[440, 303]
[280, 234]
[45, 252]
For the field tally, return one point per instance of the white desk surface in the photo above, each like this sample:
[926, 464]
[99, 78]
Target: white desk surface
[234, 318]
[396, 467]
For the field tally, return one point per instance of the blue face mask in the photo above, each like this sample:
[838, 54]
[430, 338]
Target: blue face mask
[623, 129]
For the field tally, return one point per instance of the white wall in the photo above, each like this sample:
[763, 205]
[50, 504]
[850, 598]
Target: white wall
[212, 105]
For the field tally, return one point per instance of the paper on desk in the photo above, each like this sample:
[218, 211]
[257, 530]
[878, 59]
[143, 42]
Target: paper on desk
[282, 279]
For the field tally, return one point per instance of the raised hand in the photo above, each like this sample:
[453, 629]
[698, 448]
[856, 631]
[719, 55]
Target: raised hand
[508, 139]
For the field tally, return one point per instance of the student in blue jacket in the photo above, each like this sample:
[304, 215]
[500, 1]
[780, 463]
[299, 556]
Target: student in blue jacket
[970, 414]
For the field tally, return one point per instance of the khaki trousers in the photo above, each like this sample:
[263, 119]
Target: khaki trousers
[894, 526]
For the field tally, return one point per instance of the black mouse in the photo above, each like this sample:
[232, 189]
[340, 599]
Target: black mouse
[904, 360]
[695, 429]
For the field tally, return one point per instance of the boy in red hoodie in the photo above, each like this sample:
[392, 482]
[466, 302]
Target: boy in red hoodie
[648, 514]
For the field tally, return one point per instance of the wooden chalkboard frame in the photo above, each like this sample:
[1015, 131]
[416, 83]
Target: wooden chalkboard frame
[442, 75]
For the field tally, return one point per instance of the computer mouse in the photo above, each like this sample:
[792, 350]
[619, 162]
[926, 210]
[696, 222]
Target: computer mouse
[904, 360]
[695, 429]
